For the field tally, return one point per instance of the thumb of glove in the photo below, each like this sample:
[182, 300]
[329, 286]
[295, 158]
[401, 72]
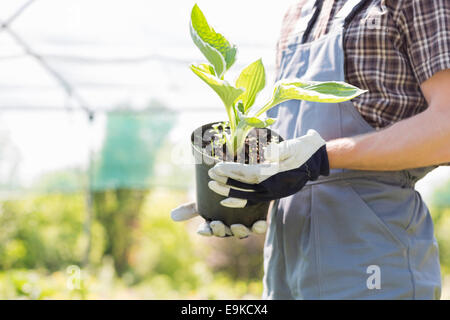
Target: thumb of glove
[184, 212]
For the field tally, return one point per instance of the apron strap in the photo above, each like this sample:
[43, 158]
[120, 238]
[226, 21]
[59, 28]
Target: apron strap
[347, 13]
[312, 19]
[309, 13]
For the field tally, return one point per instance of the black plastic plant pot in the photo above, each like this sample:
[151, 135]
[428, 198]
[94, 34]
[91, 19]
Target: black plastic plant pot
[208, 202]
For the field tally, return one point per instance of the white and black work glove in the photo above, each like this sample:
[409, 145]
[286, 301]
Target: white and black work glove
[217, 228]
[289, 166]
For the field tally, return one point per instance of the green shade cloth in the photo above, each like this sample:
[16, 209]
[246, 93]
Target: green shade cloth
[127, 157]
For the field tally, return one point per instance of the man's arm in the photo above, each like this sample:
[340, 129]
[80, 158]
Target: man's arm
[421, 140]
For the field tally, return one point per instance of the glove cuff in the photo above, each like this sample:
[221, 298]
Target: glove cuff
[325, 167]
[318, 164]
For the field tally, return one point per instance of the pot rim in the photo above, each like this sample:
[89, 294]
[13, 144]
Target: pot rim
[196, 149]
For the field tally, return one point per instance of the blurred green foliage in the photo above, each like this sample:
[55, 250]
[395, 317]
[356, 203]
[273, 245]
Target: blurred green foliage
[167, 260]
[117, 210]
[440, 212]
[41, 232]
[122, 174]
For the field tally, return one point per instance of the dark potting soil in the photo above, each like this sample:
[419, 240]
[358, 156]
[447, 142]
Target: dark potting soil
[252, 153]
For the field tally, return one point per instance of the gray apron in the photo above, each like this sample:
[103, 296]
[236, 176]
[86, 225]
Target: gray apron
[352, 234]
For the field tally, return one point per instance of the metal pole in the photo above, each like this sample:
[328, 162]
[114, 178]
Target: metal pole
[87, 229]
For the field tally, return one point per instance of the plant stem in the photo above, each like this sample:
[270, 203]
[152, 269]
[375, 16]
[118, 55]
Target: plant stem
[231, 118]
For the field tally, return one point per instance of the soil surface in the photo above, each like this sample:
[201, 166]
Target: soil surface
[253, 151]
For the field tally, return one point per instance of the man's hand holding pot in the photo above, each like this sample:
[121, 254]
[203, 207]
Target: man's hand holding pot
[289, 166]
[217, 228]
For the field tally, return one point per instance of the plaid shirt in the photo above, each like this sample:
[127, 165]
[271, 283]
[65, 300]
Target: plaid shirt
[391, 47]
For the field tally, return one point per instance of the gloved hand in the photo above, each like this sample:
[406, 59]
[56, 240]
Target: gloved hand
[291, 164]
[189, 210]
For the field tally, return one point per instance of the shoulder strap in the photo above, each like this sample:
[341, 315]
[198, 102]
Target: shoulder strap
[312, 20]
[308, 16]
[348, 12]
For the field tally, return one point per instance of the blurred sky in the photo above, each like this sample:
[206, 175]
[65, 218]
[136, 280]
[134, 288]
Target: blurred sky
[114, 52]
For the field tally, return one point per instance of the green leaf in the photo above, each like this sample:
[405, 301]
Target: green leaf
[330, 91]
[270, 121]
[255, 122]
[240, 106]
[212, 55]
[246, 124]
[226, 92]
[253, 80]
[258, 123]
[214, 46]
